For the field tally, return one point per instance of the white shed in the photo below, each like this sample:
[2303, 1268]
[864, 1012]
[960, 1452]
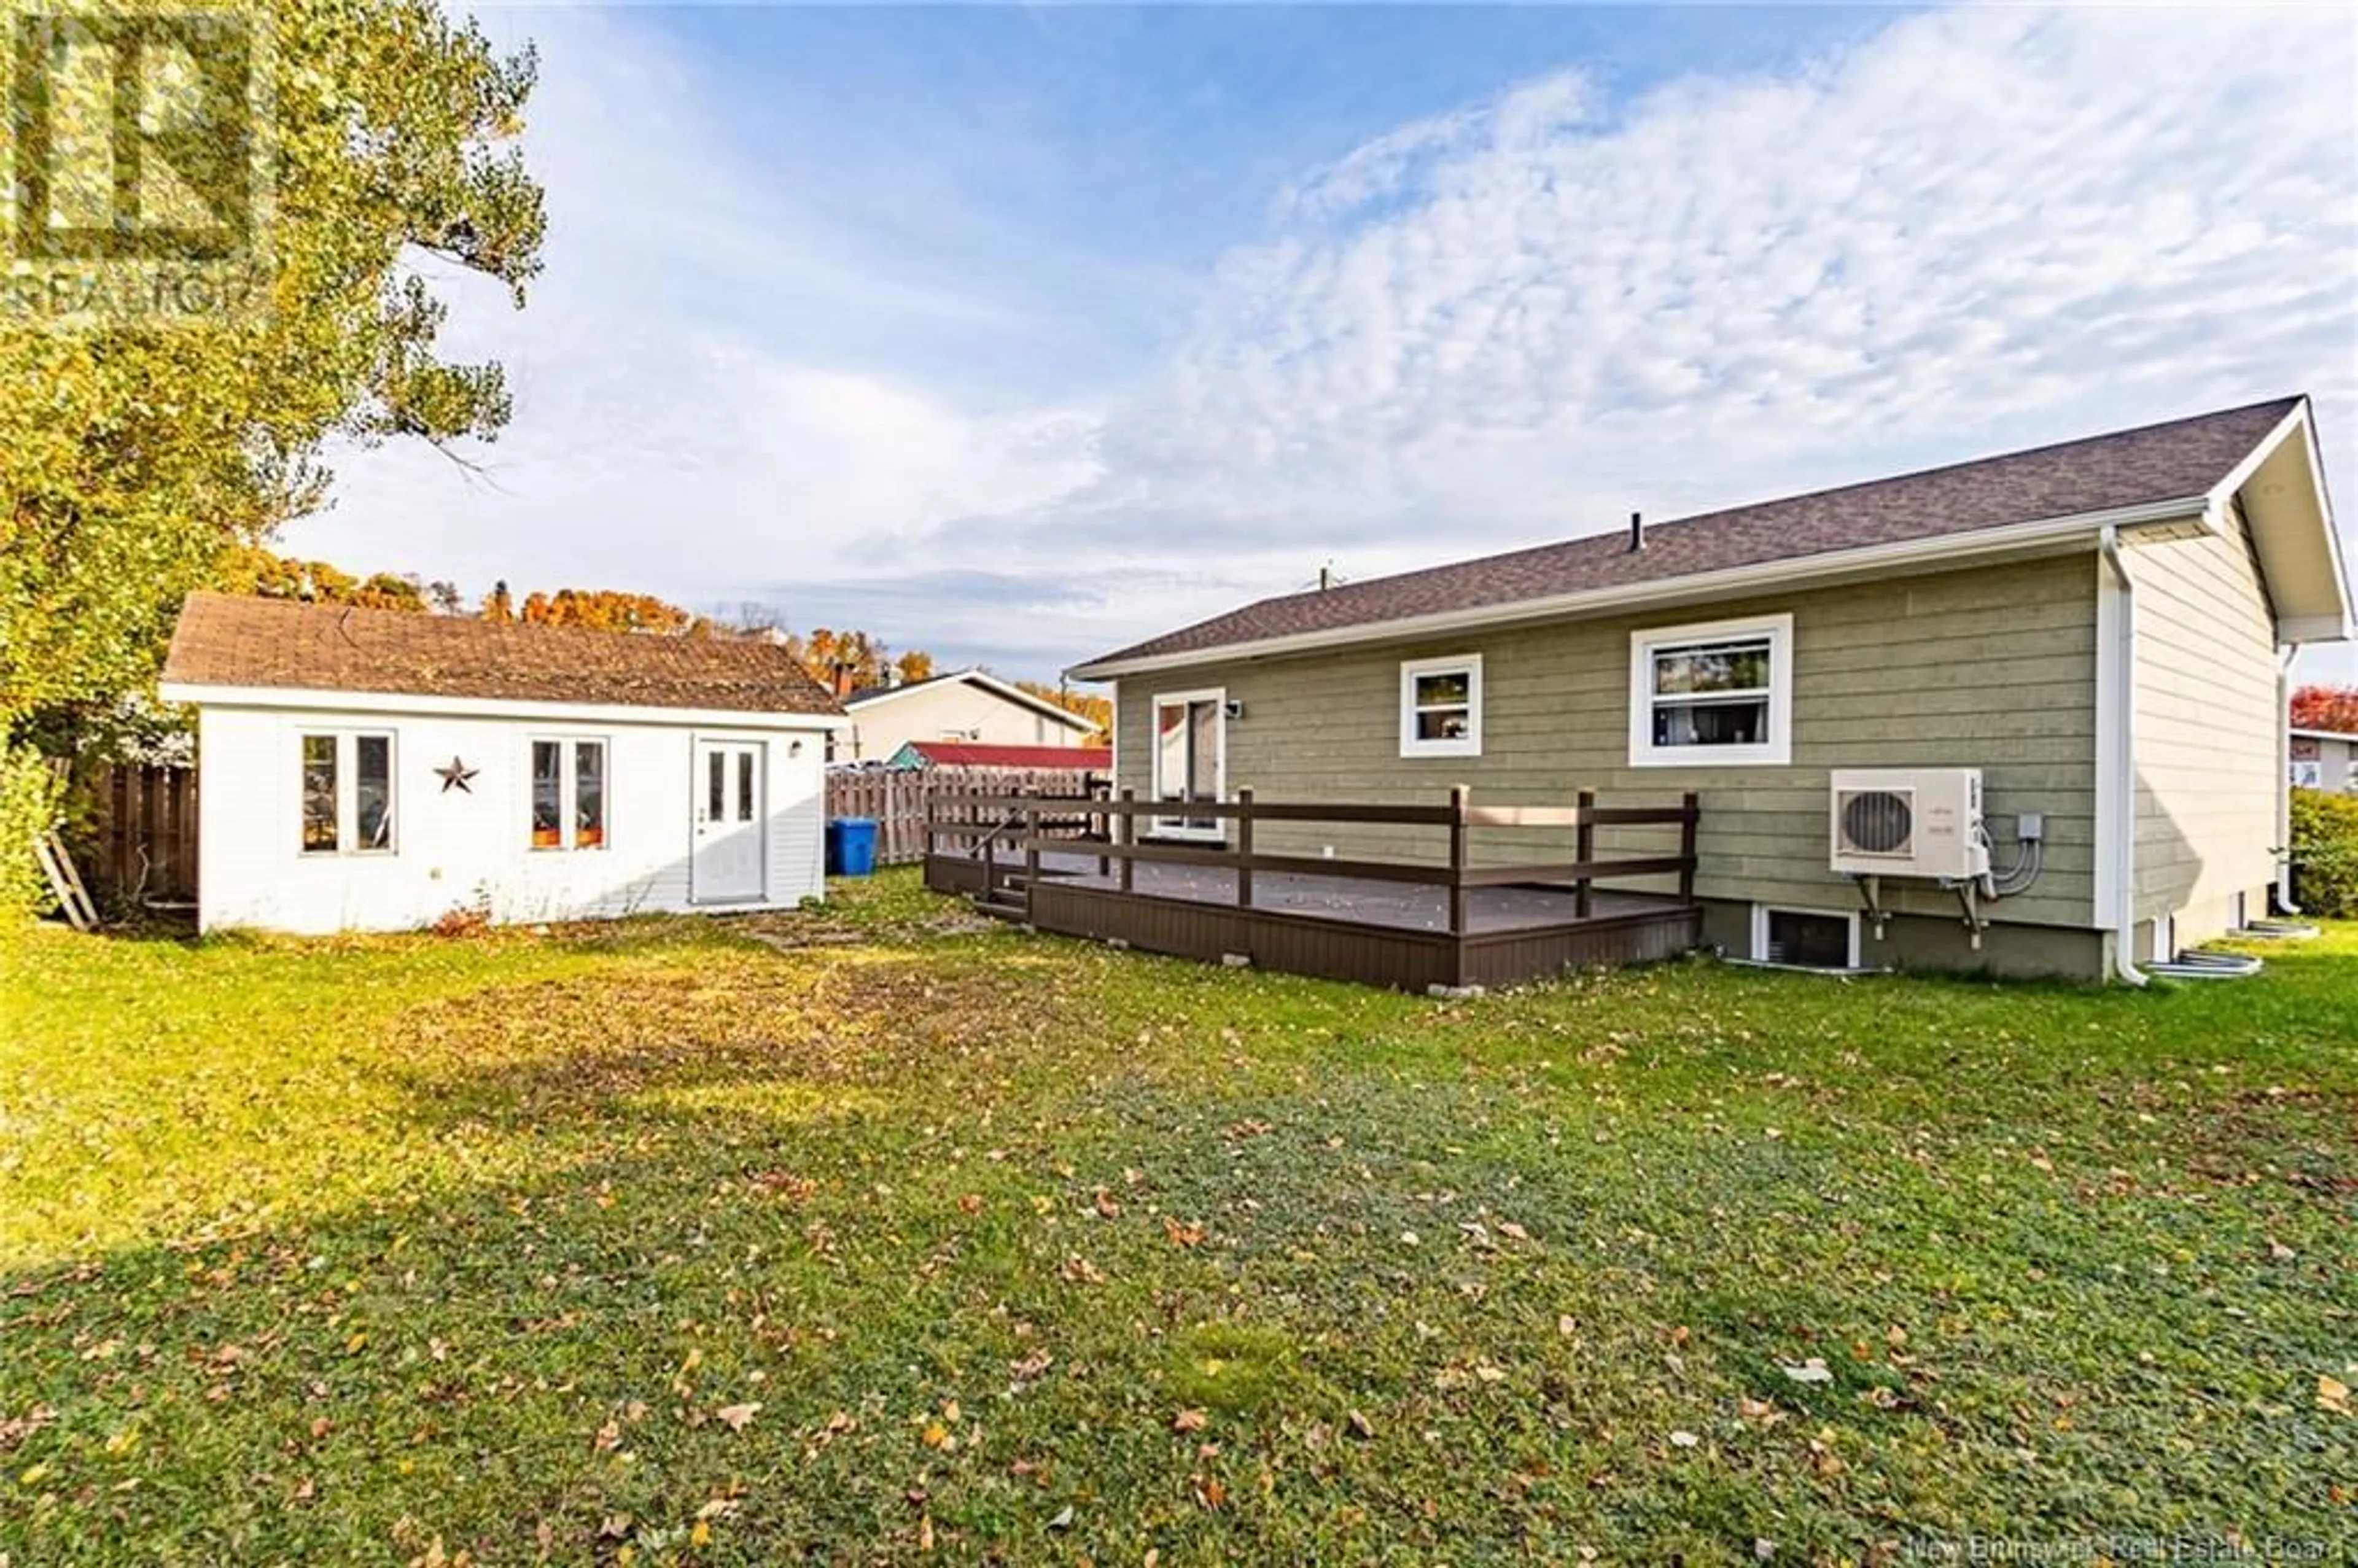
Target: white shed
[375, 770]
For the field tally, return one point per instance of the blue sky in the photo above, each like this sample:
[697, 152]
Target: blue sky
[1021, 333]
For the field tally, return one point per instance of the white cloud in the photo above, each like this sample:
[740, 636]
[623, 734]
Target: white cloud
[1512, 323]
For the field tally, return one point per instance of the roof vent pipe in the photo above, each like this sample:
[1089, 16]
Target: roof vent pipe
[1637, 530]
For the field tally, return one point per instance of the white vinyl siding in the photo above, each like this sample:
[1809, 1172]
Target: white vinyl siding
[472, 848]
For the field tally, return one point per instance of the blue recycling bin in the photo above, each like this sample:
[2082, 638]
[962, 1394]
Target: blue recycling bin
[852, 847]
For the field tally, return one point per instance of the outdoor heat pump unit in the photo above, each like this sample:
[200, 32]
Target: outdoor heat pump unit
[1909, 822]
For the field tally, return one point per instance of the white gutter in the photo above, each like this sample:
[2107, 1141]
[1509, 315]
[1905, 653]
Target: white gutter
[1786, 573]
[2285, 657]
[2122, 781]
[305, 699]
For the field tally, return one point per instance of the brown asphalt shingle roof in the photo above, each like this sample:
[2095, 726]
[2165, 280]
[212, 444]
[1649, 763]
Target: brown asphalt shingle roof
[2156, 463]
[232, 640]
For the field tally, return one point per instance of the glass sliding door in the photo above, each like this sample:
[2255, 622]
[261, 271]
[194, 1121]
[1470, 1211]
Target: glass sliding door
[1190, 740]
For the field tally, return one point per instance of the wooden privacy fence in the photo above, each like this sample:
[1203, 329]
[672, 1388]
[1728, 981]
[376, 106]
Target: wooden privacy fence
[143, 842]
[1002, 826]
[902, 801]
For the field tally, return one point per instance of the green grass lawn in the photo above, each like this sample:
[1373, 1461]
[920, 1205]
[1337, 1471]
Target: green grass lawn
[655, 1243]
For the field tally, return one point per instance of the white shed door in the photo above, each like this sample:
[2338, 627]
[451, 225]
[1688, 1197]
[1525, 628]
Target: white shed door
[729, 822]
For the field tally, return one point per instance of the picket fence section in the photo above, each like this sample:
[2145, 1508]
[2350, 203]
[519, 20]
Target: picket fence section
[902, 800]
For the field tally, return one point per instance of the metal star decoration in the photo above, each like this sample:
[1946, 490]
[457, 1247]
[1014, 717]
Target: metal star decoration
[456, 776]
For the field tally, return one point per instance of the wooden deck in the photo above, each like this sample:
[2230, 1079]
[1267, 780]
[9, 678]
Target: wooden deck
[1074, 868]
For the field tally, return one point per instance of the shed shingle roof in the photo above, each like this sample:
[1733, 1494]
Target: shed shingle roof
[230, 640]
[2171, 462]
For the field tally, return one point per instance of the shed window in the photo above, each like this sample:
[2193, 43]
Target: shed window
[1441, 706]
[1711, 694]
[346, 793]
[568, 794]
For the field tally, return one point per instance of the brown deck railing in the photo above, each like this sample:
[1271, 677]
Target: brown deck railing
[1107, 829]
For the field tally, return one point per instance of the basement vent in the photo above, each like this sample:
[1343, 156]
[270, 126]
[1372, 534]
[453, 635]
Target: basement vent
[1808, 941]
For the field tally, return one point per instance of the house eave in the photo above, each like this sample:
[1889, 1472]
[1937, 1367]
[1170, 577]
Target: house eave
[308, 701]
[2014, 541]
[2291, 516]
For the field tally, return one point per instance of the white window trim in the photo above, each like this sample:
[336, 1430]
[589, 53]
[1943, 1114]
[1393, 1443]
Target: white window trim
[569, 783]
[1761, 912]
[1177, 827]
[1470, 665]
[348, 785]
[1776, 751]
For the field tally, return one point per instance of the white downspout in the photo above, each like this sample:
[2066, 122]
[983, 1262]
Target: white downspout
[2123, 780]
[2285, 657]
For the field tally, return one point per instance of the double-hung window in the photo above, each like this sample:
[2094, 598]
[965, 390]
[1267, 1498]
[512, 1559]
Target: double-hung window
[1714, 694]
[568, 794]
[347, 792]
[1441, 706]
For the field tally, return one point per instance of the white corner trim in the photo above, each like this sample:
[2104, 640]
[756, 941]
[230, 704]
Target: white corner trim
[1790, 574]
[1470, 665]
[297, 699]
[1776, 752]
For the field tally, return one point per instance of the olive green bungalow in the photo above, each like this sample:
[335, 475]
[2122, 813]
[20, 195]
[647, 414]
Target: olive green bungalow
[2026, 713]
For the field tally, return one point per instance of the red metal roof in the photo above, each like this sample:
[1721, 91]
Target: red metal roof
[967, 754]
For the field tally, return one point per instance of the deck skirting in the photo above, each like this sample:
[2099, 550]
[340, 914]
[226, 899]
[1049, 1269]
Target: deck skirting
[1354, 951]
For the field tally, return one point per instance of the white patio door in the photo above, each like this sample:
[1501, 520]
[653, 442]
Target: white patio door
[1190, 758]
[727, 790]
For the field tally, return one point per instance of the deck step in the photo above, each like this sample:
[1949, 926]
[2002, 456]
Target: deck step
[1003, 908]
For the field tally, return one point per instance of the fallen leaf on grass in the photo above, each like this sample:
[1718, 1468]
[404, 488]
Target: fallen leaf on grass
[1362, 1427]
[1183, 1235]
[736, 1418]
[1064, 1519]
[1813, 1370]
[1685, 1439]
[1108, 1205]
[1189, 1421]
[2332, 1394]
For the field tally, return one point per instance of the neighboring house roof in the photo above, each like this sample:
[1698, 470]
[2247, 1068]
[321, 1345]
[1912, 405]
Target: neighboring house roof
[968, 754]
[238, 641]
[867, 697]
[2089, 481]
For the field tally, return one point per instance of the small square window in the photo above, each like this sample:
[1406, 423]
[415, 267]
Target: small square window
[1441, 706]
